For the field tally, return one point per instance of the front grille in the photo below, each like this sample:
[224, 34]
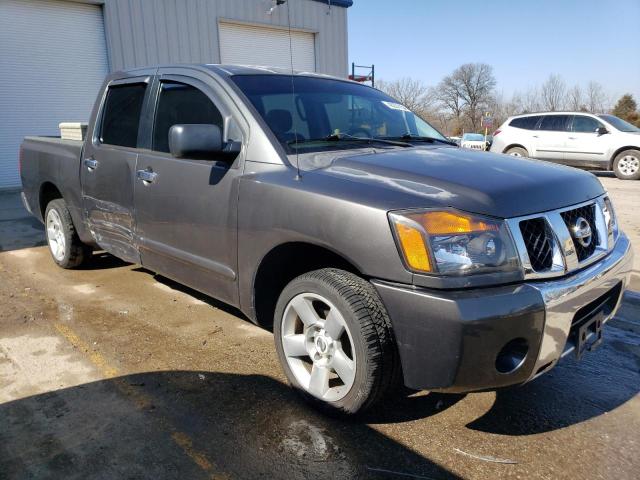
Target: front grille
[588, 213]
[538, 238]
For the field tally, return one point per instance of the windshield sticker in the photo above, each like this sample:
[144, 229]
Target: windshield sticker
[396, 106]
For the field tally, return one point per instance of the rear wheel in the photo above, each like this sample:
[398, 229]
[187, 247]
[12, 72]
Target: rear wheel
[64, 244]
[517, 152]
[333, 338]
[626, 165]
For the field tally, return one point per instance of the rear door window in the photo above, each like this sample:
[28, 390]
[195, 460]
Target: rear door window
[527, 123]
[180, 103]
[555, 123]
[584, 124]
[121, 117]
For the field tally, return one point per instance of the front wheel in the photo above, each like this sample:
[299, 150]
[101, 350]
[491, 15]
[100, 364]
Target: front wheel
[333, 338]
[626, 165]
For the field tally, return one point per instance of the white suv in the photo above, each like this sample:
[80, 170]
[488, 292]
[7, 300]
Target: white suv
[574, 138]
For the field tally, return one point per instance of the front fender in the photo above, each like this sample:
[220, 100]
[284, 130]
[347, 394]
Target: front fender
[278, 207]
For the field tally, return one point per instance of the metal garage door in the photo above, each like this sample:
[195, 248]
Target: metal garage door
[253, 45]
[53, 58]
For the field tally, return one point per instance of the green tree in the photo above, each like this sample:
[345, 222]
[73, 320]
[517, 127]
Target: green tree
[626, 108]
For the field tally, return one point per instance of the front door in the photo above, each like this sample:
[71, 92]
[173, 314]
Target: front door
[186, 208]
[585, 146]
[108, 162]
[550, 138]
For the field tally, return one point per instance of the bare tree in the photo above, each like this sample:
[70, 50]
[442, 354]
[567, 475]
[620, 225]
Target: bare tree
[450, 97]
[515, 105]
[596, 98]
[468, 90]
[531, 101]
[553, 93]
[575, 98]
[411, 93]
[501, 109]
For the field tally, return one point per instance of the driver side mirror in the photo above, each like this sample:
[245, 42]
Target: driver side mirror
[602, 130]
[200, 141]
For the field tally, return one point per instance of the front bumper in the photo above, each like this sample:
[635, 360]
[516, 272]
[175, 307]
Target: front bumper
[450, 340]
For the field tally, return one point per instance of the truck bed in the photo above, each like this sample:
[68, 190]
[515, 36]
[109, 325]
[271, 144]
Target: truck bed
[50, 161]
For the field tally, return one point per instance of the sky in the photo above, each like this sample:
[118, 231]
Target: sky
[524, 41]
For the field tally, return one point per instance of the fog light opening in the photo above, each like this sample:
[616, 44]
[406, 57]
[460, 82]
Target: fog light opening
[512, 356]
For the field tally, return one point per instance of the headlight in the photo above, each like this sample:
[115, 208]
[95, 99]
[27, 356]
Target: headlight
[610, 218]
[453, 243]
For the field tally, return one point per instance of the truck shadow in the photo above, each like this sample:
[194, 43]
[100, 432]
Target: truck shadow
[194, 293]
[101, 260]
[192, 424]
[572, 392]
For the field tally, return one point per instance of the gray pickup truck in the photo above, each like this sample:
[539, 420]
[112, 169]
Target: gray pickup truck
[378, 252]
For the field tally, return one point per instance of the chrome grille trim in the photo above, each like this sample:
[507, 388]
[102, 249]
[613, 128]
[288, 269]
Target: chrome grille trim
[565, 258]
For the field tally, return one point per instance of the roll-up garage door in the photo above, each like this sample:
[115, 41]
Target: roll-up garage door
[53, 59]
[258, 45]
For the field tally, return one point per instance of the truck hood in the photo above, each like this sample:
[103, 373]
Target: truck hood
[478, 182]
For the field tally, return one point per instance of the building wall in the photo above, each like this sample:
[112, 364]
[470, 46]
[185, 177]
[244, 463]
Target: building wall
[148, 32]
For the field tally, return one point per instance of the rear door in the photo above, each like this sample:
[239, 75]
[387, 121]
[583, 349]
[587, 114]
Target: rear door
[550, 138]
[585, 146]
[107, 168]
[186, 216]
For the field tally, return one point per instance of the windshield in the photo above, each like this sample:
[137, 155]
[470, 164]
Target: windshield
[325, 114]
[473, 137]
[619, 124]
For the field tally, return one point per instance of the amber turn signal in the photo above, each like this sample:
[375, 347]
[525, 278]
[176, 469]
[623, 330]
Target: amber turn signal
[447, 223]
[413, 247]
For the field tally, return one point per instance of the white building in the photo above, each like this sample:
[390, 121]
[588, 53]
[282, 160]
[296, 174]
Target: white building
[54, 54]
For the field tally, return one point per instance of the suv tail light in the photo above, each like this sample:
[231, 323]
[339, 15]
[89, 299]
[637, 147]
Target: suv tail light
[496, 132]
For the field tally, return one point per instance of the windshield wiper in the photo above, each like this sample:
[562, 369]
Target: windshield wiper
[419, 138]
[339, 137]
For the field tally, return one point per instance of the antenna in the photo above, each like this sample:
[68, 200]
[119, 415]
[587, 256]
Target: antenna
[293, 90]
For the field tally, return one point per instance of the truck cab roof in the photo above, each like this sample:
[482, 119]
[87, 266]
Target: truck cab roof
[229, 70]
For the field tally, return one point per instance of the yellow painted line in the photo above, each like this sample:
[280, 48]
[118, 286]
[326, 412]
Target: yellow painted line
[95, 358]
[141, 400]
[187, 445]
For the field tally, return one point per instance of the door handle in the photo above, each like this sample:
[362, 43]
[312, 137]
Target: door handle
[147, 176]
[572, 138]
[91, 164]
[536, 136]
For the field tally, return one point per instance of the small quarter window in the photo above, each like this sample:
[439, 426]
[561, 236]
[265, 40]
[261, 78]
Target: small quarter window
[527, 123]
[121, 117]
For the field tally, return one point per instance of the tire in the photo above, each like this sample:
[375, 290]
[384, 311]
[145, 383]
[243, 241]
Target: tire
[366, 340]
[517, 152]
[626, 165]
[64, 244]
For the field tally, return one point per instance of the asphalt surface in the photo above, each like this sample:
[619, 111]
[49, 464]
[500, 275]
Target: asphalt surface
[111, 371]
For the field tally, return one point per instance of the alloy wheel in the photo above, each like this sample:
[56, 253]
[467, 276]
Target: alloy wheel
[55, 235]
[629, 165]
[318, 346]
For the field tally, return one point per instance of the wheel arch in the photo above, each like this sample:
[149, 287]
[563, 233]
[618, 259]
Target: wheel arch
[48, 192]
[282, 264]
[513, 145]
[619, 151]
